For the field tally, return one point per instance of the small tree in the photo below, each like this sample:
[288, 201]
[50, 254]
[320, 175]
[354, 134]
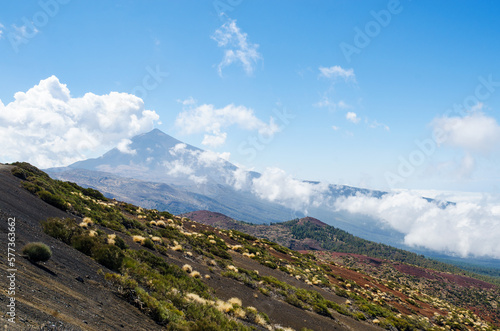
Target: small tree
[37, 252]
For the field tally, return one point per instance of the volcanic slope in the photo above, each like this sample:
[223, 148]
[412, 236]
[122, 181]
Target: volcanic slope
[172, 273]
[417, 281]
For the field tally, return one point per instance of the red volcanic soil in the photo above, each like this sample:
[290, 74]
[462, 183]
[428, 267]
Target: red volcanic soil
[420, 272]
[431, 274]
[361, 258]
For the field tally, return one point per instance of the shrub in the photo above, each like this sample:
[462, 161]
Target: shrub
[52, 199]
[90, 192]
[321, 309]
[109, 256]
[19, 173]
[37, 252]
[84, 243]
[62, 229]
[148, 243]
[120, 243]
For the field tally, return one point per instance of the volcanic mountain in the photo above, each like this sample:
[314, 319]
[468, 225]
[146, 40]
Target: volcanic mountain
[198, 179]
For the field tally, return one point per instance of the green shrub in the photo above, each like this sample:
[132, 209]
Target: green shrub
[120, 243]
[109, 256]
[84, 243]
[52, 199]
[37, 252]
[321, 309]
[32, 188]
[359, 316]
[90, 192]
[19, 173]
[62, 229]
[293, 300]
[148, 243]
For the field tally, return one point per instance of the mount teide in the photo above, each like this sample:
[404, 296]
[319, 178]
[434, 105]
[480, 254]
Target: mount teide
[159, 171]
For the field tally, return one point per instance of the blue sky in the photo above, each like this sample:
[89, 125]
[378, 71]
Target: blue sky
[215, 72]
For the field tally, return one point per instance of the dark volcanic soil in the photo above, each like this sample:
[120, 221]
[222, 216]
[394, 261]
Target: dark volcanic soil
[49, 294]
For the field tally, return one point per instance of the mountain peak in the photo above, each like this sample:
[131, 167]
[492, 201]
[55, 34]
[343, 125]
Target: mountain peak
[311, 220]
[155, 132]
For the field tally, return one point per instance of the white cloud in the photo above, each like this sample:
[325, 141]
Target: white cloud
[224, 155]
[337, 71]
[217, 139]
[124, 147]
[193, 164]
[48, 127]
[187, 102]
[326, 102]
[237, 47]
[239, 179]
[335, 128]
[352, 117]
[375, 124]
[464, 229]
[206, 118]
[475, 132]
[1, 30]
[276, 185]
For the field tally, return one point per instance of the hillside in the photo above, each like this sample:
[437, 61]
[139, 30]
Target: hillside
[152, 271]
[309, 233]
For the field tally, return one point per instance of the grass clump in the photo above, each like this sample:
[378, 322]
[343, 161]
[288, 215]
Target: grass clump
[37, 252]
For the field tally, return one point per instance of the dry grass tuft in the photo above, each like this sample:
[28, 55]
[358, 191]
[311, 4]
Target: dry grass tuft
[176, 248]
[235, 301]
[260, 320]
[232, 268]
[187, 268]
[138, 239]
[88, 220]
[223, 306]
[240, 313]
[196, 298]
[252, 309]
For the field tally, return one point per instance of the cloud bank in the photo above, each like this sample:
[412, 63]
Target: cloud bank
[475, 133]
[464, 229]
[48, 127]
